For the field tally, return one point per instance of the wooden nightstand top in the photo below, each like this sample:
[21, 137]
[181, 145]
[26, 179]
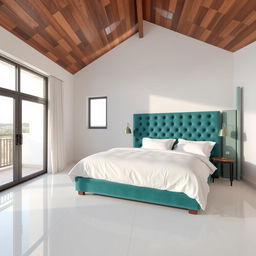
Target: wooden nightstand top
[223, 160]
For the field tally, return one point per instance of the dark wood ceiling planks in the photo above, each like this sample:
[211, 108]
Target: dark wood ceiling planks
[228, 24]
[73, 33]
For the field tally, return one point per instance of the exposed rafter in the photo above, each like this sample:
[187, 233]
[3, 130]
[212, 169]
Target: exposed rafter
[140, 17]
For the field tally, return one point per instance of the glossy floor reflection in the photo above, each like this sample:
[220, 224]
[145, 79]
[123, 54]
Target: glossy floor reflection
[45, 217]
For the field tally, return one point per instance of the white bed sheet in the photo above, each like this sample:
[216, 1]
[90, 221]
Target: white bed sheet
[159, 169]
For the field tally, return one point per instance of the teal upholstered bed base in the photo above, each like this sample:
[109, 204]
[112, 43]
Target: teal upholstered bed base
[143, 194]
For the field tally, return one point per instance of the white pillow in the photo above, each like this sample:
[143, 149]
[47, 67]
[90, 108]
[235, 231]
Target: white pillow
[202, 148]
[163, 144]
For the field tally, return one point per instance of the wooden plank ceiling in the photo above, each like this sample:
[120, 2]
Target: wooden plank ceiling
[73, 33]
[228, 24]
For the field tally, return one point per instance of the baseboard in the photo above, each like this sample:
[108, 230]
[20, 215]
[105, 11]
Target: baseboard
[251, 183]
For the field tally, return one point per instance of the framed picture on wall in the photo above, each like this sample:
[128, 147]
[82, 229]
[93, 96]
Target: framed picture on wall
[97, 112]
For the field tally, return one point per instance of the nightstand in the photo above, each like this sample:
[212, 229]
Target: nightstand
[229, 161]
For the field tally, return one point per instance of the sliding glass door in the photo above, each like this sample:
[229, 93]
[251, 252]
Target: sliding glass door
[33, 137]
[7, 130]
[23, 124]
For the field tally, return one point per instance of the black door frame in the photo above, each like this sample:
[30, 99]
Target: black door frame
[18, 97]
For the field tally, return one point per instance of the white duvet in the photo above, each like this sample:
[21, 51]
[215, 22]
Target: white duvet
[159, 169]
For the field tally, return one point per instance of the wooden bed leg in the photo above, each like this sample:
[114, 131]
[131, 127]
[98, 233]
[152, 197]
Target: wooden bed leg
[81, 193]
[192, 211]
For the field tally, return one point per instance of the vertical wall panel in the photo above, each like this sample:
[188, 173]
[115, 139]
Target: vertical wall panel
[239, 130]
[230, 141]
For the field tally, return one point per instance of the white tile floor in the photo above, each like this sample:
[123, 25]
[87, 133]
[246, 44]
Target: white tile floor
[6, 173]
[45, 217]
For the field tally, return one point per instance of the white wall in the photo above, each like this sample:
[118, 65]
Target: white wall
[163, 72]
[15, 48]
[245, 76]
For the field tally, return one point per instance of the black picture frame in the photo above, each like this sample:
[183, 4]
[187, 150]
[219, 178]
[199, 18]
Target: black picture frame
[90, 99]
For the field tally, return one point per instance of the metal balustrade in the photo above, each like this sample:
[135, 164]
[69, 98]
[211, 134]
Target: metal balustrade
[6, 151]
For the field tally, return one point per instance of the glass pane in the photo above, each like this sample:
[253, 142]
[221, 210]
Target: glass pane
[98, 114]
[31, 83]
[7, 75]
[6, 140]
[33, 137]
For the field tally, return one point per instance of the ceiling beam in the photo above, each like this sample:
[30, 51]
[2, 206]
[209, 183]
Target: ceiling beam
[140, 17]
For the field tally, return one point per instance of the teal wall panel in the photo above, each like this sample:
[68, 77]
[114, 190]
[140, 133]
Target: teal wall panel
[229, 143]
[239, 92]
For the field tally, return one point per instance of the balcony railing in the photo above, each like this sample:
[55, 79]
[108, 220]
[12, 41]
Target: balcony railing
[6, 151]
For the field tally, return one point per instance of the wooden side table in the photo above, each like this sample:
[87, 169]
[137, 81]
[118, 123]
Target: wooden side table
[224, 160]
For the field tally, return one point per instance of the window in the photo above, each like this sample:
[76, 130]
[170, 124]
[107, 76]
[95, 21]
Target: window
[17, 78]
[31, 83]
[7, 77]
[98, 113]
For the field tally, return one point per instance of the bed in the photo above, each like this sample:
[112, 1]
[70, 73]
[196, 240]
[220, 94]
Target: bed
[96, 178]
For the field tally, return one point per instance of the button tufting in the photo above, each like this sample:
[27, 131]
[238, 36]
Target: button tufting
[192, 126]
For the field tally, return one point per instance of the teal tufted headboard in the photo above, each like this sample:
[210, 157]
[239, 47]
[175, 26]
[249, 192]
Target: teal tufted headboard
[187, 125]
